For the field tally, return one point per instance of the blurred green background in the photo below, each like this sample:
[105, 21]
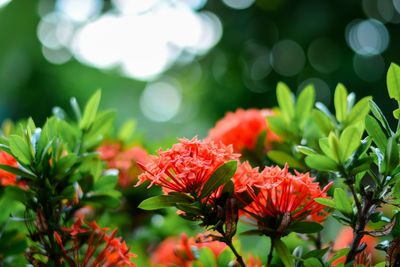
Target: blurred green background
[178, 66]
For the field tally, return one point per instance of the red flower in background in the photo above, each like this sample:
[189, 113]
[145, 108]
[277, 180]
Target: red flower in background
[113, 251]
[174, 252]
[187, 165]
[344, 239]
[242, 128]
[123, 159]
[7, 178]
[276, 192]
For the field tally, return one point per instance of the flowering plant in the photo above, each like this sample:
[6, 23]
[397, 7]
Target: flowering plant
[283, 176]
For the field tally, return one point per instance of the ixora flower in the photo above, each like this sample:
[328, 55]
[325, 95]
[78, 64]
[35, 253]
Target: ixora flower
[123, 159]
[113, 251]
[242, 128]
[174, 252]
[187, 165]
[278, 199]
[7, 178]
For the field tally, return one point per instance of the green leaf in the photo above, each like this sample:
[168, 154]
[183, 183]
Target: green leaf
[349, 141]
[305, 103]
[306, 150]
[189, 208]
[324, 123]
[396, 113]
[164, 201]
[322, 163]
[90, 110]
[391, 155]
[358, 113]
[317, 253]
[380, 117]
[285, 101]
[381, 264]
[305, 227]
[102, 124]
[105, 183]
[334, 146]
[76, 109]
[219, 177]
[376, 133]
[325, 201]
[282, 158]
[20, 149]
[312, 262]
[68, 192]
[225, 257]
[393, 81]
[324, 145]
[279, 127]
[361, 165]
[396, 189]
[64, 164]
[207, 258]
[342, 202]
[127, 130]
[340, 102]
[283, 253]
[18, 172]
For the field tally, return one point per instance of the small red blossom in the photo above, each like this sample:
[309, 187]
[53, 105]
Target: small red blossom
[253, 261]
[276, 192]
[173, 252]
[123, 159]
[7, 178]
[242, 128]
[187, 165]
[113, 251]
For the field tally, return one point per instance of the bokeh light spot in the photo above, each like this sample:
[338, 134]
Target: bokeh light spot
[322, 92]
[79, 10]
[238, 4]
[324, 55]
[287, 58]
[160, 101]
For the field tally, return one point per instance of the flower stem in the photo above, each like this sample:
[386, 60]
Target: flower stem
[270, 253]
[228, 241]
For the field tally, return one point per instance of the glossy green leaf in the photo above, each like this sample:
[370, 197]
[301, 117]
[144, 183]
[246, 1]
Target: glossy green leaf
[306, 150]
[225, 258]
[324, 123]
[349, 141]
[18, 172]
[90, 110]
[393, 81]
[285, 101]
[312, 262]
[359, 111]
[396, 113]
[391, 155]
[283, 252]
[105, 183]
[64, 164]
[324, 145]
[20, 149]
[334, 146]
[340, 102]
[322, 163]
[279, 127]
[305, 227]
[219, 177]
[396, 189]
[380, 117]
[164, 201]
[317, 253]
[376, 133]
[325, 201]
[207, 258]
[342, 202]
[189, 208]
[76, 109]
[282, 158]
[305, 103]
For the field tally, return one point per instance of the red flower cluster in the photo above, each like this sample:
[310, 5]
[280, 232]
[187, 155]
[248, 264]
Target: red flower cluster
[173, 252]
[242, 128]
[187, 165]
[123, 159]
[276, 192]
[7, 178]
[113, 253]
